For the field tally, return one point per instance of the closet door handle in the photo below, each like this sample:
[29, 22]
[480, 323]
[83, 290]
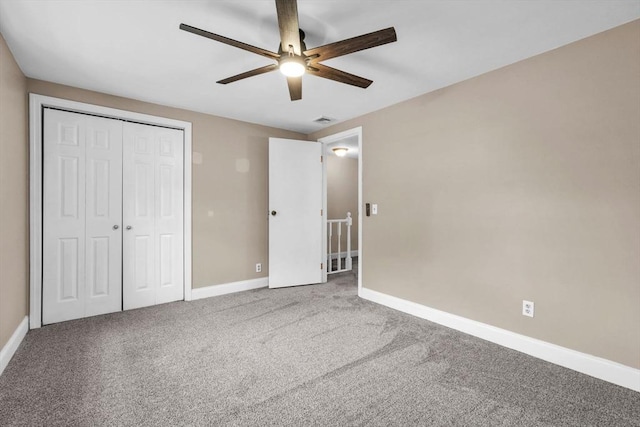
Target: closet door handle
[115, 227]
[129, 227]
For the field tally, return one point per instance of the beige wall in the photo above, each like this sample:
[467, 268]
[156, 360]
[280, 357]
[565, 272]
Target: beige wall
[228, 244]
[523, 183]
[14, 234]
[342, 194]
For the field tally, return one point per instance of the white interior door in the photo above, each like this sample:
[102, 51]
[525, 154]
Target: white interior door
[82, 215]
[295, 213]
[152, 215]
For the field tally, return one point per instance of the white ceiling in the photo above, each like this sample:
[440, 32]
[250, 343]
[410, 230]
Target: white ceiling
[135, 49]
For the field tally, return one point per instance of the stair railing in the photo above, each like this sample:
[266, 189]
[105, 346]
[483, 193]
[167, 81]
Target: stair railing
[339, 261]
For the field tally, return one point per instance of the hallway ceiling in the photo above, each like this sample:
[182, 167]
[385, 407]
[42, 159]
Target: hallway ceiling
[135, 49]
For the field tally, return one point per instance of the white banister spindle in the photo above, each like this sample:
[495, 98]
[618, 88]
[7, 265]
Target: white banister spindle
[348, 263]
[339, 262]
[347, 260]
[329, 260]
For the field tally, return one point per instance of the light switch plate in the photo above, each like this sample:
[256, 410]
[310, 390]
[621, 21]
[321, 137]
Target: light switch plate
[374, 209]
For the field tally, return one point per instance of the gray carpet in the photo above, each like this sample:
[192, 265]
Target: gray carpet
[306, 356]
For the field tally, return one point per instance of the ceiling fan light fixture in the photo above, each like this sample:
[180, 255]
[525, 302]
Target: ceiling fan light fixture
[292, 66]
[340, 151]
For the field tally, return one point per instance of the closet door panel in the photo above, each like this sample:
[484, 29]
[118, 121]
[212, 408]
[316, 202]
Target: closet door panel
[103, 215]
[170, 214]
[63, 217]
[81, 195]
[140, 242]
[153, 207]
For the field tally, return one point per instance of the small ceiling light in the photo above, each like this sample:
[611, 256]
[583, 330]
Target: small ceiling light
[340, 151]
[292, 65]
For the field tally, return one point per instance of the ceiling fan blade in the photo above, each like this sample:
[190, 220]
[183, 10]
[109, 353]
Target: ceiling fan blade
[251, 73]
[354, 44]
[230, 42]
[295, 87]
[288, 22]
[321, 70]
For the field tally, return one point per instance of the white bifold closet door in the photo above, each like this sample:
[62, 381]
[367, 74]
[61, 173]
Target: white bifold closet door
[112, 215]
[82, 202]
[153, 215]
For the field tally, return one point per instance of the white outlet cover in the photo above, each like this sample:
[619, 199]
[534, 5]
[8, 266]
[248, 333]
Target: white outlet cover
[528, 308]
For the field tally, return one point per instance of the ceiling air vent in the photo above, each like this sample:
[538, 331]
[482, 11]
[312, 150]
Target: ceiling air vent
[323, 120]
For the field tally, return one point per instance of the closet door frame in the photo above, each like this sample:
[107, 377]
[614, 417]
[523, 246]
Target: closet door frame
[37, 103]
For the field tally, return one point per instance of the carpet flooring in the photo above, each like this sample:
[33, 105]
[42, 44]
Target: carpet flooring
[305, 356]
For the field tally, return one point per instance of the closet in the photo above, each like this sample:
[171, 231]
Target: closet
[113, 215]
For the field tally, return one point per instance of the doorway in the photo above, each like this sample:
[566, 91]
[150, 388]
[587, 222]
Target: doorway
[352, 140]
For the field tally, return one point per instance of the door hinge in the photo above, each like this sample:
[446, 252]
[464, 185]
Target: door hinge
[320, 159]
[321, 265]
[320, 212]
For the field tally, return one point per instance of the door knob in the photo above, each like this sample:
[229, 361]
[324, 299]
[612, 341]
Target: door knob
[273, 213]
[115, 227]
[129, 227]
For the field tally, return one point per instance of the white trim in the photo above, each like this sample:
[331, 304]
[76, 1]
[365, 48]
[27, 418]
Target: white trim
[327, 140]
[35, 212]
[325, 210]
[36, 103]
[344, 254]
[187, 211]
[229, 288]
[594, 366]
[12, 345]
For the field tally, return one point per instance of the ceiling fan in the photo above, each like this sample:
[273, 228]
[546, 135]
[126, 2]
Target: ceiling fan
[294, 59]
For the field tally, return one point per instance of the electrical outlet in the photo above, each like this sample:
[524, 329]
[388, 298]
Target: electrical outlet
[527, 308]
[258, 268]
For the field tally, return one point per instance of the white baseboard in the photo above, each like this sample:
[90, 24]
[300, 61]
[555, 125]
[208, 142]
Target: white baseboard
[594, 366]
[344, 254]
[228, 288]
[12, 345]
